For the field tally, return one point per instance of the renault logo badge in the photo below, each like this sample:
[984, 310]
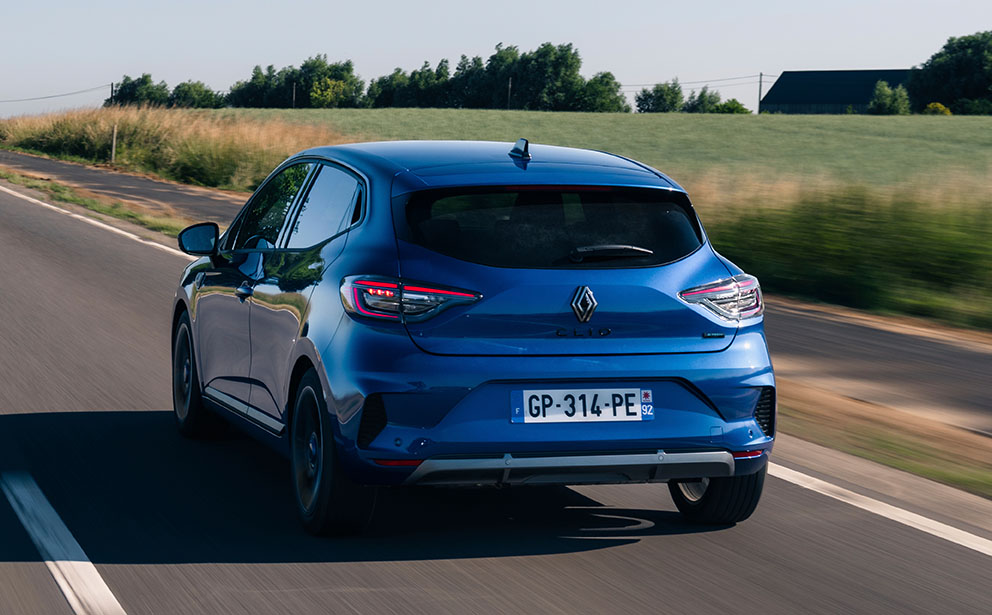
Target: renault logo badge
[583, 303]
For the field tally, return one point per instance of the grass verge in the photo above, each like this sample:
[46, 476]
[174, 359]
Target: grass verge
[189, 146]
[115, 209]
[921, 446]
[867, 250]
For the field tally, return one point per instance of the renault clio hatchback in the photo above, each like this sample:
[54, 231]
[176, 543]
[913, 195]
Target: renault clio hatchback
[470, 313]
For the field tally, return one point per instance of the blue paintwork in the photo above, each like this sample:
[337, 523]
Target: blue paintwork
[449, 379]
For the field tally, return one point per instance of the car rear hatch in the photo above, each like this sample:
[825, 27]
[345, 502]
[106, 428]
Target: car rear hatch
[561, 270]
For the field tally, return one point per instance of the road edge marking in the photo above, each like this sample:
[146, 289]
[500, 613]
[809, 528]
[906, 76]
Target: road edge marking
[77, 577]
[893, 513]
[94, 222]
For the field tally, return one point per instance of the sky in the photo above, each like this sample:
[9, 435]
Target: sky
[63, 46]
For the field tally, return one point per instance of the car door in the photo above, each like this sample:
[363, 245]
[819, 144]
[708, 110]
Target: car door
[222, 304]
[314, 239]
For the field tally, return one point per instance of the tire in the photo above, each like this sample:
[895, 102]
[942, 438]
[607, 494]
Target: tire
[193, 419]
[327, 501]
[718, 501]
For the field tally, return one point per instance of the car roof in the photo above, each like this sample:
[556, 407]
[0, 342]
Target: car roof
[437, 164]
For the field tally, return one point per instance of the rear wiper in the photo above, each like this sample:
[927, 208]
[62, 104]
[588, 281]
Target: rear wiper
[605, 251]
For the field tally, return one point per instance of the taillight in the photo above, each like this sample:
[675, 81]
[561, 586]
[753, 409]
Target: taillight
[737, 298]
[394, 299]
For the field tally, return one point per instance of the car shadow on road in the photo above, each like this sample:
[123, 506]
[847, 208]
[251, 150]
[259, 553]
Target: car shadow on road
[131, 490]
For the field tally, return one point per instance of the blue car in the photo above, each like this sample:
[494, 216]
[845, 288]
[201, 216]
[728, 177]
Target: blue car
[472, 313]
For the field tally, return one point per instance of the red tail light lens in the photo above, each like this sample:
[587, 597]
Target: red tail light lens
[394, 299]
[737, 298]
[747, 454]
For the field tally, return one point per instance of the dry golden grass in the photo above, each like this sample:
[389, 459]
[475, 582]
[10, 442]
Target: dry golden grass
[189, 146]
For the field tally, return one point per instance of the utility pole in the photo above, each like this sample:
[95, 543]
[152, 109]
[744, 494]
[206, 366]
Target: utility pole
[113, 146]
[294, 94]
[111, 92]
[761, 78]
[509, 87]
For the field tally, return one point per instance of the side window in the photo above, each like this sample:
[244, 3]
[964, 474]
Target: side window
[327, 209]
[268, 208]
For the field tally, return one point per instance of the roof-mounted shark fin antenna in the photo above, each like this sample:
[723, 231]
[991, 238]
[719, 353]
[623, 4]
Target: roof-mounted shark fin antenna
[521, 149]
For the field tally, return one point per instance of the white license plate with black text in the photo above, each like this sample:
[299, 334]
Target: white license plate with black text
[581, 405]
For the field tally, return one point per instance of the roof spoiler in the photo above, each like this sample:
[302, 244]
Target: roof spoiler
[521, 149]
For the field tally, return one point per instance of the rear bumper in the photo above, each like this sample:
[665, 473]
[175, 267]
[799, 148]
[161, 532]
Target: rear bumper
[658, 466]
[452, 415]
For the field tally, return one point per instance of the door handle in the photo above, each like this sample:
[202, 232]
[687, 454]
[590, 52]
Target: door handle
[244, 291]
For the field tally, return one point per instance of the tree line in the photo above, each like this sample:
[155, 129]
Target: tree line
[545, 79]
[668, 97]
[958, 79]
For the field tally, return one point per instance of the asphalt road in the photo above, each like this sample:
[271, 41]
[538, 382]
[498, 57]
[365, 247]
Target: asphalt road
[165, 198]
[175, 526]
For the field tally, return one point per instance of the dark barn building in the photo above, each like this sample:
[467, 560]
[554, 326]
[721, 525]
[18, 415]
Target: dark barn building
[827, 91]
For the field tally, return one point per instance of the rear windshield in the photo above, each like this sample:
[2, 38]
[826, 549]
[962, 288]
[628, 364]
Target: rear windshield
[552, 227]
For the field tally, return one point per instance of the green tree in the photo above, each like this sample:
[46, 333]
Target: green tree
[317, 69]
[383, 91]
[978, 106]
[328, 93]
[195, 94]
[662, 98]
[426, 87]
[603, 94]
[888, 101]
[140, 91]
[467, 87]
[731, 106]
[704, 102]
[291, 86]
[959, 74]
[255, 92]
[501, 67]
[548, 79]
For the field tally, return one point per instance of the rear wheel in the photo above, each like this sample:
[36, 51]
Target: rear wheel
[192, 418]
[718, 501]
[327, 501]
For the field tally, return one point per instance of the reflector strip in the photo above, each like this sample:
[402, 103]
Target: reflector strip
[398, 462]
[438, 291]
[747, 454]
[718, 289]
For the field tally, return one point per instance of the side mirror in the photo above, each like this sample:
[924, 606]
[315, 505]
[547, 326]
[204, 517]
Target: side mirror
[199, 239]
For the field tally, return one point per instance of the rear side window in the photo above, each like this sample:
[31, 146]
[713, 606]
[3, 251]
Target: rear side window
[549, 227]
[266, 213]
[327, 208]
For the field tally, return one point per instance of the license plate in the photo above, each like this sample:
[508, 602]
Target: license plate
[581, 405]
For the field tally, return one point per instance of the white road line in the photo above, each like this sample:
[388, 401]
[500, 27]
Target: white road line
[76, 576]
[924, 524]
[102, 225]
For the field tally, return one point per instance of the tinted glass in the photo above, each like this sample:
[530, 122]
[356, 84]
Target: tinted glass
[268, 208]
[546, 227]
[327, 208]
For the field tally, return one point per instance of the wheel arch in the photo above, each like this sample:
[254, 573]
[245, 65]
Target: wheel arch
[178, 310]
[302, 366]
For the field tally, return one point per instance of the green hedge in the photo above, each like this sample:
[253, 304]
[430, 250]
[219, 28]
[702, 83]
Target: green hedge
[857, 248]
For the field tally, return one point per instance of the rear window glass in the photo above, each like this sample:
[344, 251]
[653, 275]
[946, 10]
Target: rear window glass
[552, 227]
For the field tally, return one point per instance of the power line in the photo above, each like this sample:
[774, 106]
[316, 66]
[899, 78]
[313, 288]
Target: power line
[705, 81]
[724, 86]
[93, 89]
[638, 85]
